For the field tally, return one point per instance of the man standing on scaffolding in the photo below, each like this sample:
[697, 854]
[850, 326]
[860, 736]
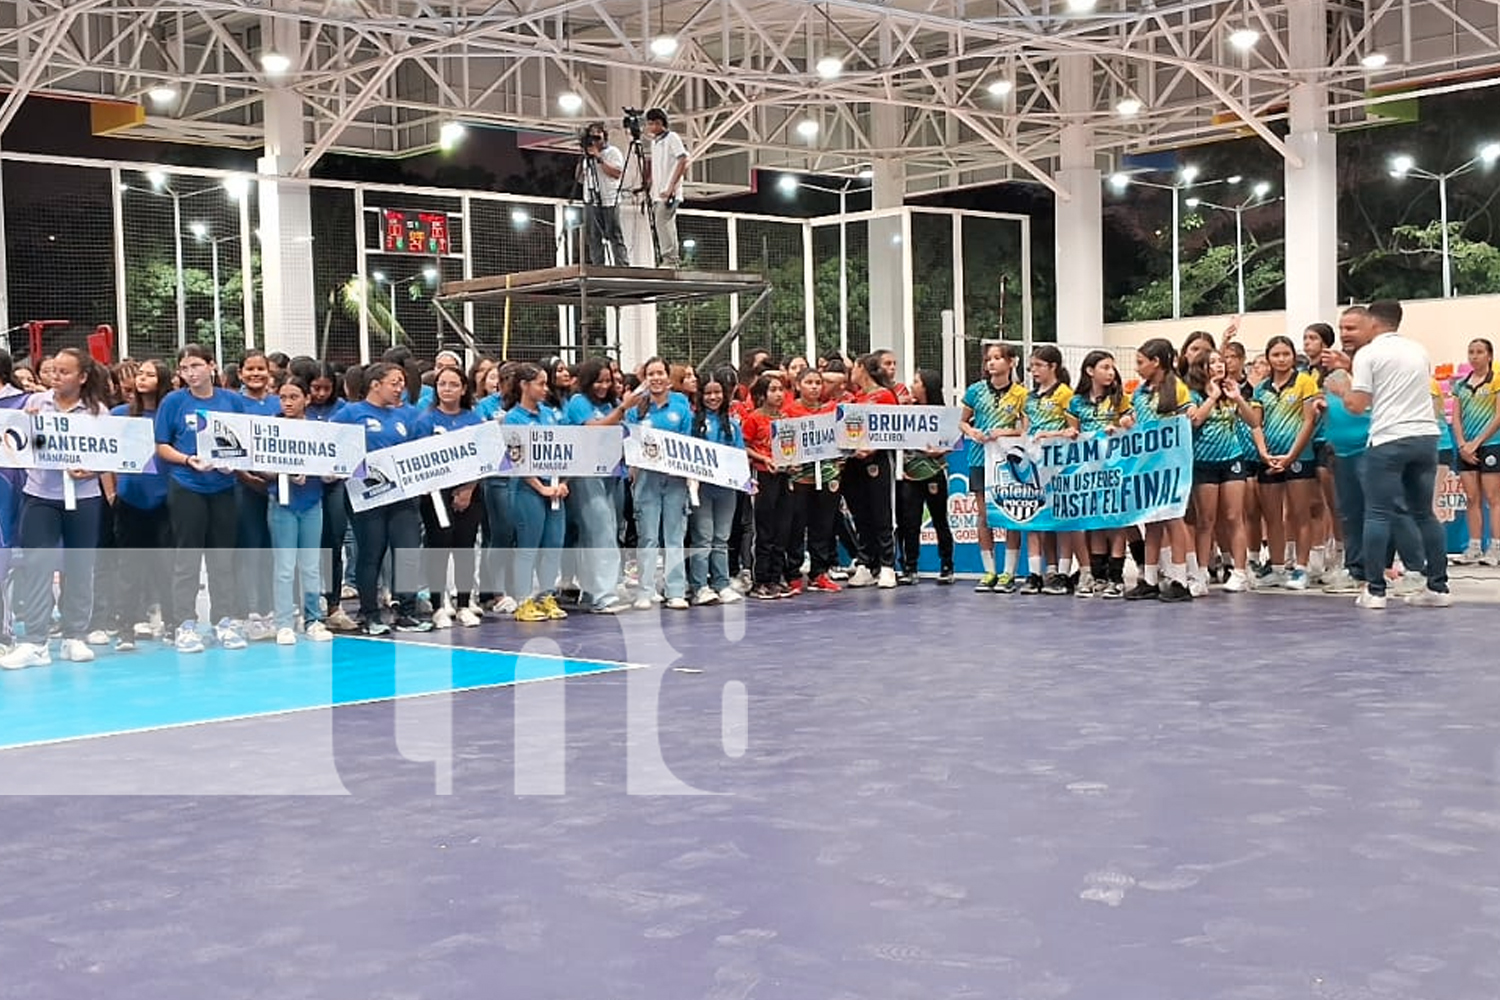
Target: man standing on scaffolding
[669, 161]
[603, 166]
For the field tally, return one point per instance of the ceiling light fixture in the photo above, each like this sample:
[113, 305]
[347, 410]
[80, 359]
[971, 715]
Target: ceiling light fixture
[569, 102]
[1375, 60]
[451, 134]
[1244, 39]
[829, 67]
[664, 46]
[1000, 88]
[807, 128]
[162, 94]
[1128, 107]
[274, 63]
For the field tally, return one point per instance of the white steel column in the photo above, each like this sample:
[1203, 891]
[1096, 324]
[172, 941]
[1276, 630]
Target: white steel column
[122, 300]
[1311, 189]
[1079, 229]
[286, 249]
[636, 324]
[889, 254]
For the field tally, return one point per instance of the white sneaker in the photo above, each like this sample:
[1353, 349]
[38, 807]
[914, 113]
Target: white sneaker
[504, 605]
[1198, 584]
[730, 596]
[706, 595]
[1470, 555]
[257, 629]
[744, 582]
[187, 639]
[318, 632]
[76, 651]
[1408, 584]
[467, 618]
[26, 654]
[677, 603]
[1429, 599]
[1238, 582]
[442, 619]
[1491, 555]
[98, 637]
[1340, 582]
[887, 579]
[642, 603]
[862, 577]
[145, 630]
[286, 637]
[341, 621]
[1296, 579]
[348, 592]
[1369, 601]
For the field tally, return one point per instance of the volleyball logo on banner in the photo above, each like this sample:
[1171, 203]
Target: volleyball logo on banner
[75, 441]
[562, 451]
[219, 438]
[689, 457]
[1016, 483]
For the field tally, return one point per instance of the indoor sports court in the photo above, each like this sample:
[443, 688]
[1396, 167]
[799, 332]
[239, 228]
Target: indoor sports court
[1066, 801]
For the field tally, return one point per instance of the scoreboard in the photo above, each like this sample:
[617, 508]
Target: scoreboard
[406, 231]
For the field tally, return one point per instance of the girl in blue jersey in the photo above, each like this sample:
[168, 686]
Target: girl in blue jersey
[296, 530]
[1096, 407]
[324, 403]
[394, 529]
[52, 537]
[451, 410]
[993, 408]
[594, 502]
[535, 505]
[141, 520]
[200, 504]
[1160, 397]
[1219, 473]
[499, 528]
[1476, 435]
[1289, 490]
[661, 500]
[252, 536]
[712, 521]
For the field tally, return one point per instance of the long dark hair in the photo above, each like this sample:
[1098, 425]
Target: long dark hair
[932, 386]
[94, 391]
[588, 377]
[1047, 354]
[7, 370]
[1160, 350]
[1192, 338]
[1281, 340]
[1116, 393]
[762, 387]
[465, 399]
[701, 410]
[873, 368]
[163, 386]
[644, 406]
[377, 372]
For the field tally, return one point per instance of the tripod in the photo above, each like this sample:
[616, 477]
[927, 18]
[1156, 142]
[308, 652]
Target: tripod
[637, 154]
[603, 220]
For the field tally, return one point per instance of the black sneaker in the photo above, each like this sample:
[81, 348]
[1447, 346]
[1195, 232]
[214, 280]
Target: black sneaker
[126, 643]
[766, 592]
[1112, 591]
[945, 576]
[908, 579]
[1173, 592]
[1054, 584]
[1143, 591]
[1033, 585]
[406, 623]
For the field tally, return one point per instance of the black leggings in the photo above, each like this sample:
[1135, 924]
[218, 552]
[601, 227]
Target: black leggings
[773, 503]
[457, 540]
[396, 530]
[203, 529]
[145, 540]
[911, 496]
[867, 489]
[335, 526]
[813, 514]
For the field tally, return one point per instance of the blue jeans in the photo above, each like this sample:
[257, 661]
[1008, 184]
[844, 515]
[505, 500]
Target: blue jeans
[499, 535]
[252, 564]
[539, 538]
[591, 508]
[1348, 472]
[297, 551]
[709, 526]
[1403, 473]
[661, 523]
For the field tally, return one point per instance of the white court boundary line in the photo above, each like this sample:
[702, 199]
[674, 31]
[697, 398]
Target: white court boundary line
[609, 667]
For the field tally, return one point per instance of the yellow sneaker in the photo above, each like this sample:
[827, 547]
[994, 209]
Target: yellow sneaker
[549, 605]
[530, 611]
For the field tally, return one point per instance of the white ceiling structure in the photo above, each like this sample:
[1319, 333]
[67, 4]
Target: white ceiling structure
[960, 91]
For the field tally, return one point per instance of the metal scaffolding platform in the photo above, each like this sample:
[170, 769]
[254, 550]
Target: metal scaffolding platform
[585, 285]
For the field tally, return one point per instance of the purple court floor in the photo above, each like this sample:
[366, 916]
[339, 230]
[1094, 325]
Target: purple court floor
[930, 794]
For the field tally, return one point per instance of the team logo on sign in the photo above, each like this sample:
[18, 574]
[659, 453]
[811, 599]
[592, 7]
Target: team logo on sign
[786, 439]
[14, 442]
[854, 424]
[1017, 487]
[374, 483]
[515, 448]
[226, 443]
[650, 446]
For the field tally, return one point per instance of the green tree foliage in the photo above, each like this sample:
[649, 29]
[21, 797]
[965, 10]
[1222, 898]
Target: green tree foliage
[151, 290]
[1405, 265]
[1209, 285]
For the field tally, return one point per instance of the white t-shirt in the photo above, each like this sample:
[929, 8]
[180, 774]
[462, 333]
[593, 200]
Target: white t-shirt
[666, 150]
[609, 187]
[1397, 374]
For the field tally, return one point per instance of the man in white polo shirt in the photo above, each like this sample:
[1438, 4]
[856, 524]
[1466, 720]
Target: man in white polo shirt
[1391, 377]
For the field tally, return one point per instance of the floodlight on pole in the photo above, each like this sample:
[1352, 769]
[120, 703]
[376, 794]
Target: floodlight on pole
[790, 184]
[1187, 177]
[1257, 199]
[1405, 165]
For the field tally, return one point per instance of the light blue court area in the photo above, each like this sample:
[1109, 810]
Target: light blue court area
[157, 687]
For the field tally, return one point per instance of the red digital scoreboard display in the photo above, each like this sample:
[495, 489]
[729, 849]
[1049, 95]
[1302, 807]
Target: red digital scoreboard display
[406, 231]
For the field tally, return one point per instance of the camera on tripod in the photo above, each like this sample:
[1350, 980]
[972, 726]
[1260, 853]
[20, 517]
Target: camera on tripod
[590, 137]
[633, 122]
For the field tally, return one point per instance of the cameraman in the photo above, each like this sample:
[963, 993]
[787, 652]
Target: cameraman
[601, 196]
[669, 160]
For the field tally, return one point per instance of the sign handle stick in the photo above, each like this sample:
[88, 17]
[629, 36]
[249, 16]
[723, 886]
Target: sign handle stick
[817, 475]
[440, 509]
[556, 503]
[692, 485]
[284, 489]
[900, 464]
[70, 492]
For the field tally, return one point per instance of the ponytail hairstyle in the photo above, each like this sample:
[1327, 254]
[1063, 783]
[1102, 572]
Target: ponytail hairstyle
[465, 398]
[932, 385]
[163, 386]
[762, 386]
[1115, 394]
[94, 390]
[1160, 350]
[701, 411]
[873, 368]
[525, 372]
[1280, 340]
[1047, 354]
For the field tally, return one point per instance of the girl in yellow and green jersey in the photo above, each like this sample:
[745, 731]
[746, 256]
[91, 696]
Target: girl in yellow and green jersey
[1160, 397]
[1289, 474]
[993, 407]
[1047, 416]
